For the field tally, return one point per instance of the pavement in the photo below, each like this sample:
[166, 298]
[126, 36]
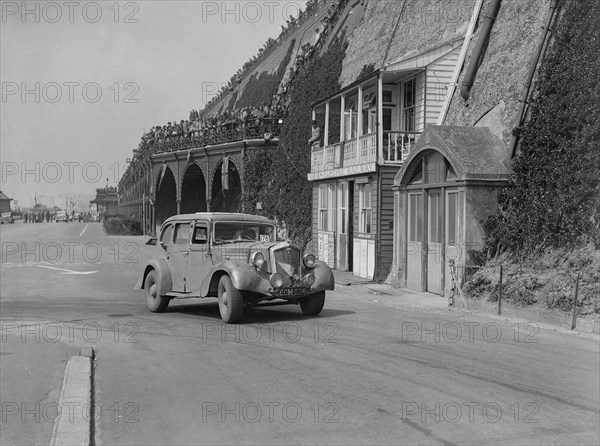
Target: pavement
[586, 327]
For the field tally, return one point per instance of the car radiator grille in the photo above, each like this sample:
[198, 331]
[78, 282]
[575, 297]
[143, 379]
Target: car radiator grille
[288, 261]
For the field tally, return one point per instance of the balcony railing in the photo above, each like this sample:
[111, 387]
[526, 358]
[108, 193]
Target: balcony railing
[354, 152]
[363, 150]
[397, 145]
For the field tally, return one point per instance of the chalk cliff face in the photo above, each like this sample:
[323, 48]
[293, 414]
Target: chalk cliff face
[380, 32]
[394, 30]
[494, 100]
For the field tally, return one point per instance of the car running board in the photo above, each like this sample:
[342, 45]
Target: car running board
[176, 295]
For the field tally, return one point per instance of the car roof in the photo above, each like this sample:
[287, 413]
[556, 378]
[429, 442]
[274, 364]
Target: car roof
[219, 216]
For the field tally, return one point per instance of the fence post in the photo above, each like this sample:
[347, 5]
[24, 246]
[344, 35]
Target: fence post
[500, 293]
[574, 321]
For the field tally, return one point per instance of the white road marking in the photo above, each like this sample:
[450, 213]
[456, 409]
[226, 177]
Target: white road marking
[68, 271]
[84, 230]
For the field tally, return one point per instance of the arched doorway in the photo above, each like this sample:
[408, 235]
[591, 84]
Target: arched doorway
[444, 191]
[193, 191]
[226, 189]
[166, 196]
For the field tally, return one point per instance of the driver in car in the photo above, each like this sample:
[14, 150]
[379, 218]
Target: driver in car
[245, 234]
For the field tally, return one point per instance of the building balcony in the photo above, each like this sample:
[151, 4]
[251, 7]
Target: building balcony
[360, 155]
[397, 146]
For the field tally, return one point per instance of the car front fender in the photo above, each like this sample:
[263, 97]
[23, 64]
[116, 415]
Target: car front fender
[244, 277]
[163, 274]
[324, 279]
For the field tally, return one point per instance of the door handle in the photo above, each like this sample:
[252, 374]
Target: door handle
[185, 254]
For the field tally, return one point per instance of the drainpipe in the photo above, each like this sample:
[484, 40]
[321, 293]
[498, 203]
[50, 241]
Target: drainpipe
[460, 63]
[532, 69]
[486, 29]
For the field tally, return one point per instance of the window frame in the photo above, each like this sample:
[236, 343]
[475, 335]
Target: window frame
[409, 112]
[176, 230]
[365, 210]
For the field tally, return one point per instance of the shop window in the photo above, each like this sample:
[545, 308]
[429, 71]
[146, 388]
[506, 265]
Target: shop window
[323, 208]
[326, 207]
[366, 208]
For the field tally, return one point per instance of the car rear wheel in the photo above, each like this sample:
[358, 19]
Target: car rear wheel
[154, 301]
[231, 301]
[313, 304]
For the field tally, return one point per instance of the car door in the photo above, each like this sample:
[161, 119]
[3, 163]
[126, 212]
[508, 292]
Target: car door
[177, 255]
[199, 259]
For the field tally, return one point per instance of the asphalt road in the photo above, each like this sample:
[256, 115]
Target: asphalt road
[368, 370]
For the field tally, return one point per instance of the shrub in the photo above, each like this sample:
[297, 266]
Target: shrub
[121, 225]
[555, 200]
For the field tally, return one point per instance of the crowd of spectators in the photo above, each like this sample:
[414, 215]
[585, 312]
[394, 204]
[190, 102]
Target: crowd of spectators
[292, 24]
[252, 122]
[230, 125]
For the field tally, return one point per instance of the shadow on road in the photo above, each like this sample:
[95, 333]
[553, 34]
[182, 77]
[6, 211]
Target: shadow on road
[255, 315]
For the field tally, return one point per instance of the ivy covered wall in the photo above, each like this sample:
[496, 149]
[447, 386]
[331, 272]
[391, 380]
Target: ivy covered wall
[278, 178]
[555, 200]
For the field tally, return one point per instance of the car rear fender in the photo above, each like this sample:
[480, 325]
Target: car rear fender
[163, 273]
[243, 276]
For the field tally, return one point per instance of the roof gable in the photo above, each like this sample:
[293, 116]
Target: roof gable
[475, 153]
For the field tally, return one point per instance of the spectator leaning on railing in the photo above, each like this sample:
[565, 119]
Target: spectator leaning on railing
[315, 140]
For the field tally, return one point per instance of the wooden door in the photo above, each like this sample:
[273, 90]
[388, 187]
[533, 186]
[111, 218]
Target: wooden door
[414, 244]
[435, 260]
[342, 226]
[452, 231]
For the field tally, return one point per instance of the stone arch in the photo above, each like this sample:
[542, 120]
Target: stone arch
[230, 199]
[166, 195]
[193, 190]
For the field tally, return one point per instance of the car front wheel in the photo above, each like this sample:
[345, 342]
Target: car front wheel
[154, 301]
[231, 301]
[313, 304]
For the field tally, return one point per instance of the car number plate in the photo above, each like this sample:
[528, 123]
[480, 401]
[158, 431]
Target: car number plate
[287, 292]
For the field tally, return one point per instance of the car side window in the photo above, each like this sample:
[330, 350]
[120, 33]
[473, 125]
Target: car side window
[167, 235]
[200, 234]
[182, 233]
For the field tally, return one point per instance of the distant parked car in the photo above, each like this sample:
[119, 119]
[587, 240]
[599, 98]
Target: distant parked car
[6, 217]
[95, 218]
[235, 258]
[62, 216]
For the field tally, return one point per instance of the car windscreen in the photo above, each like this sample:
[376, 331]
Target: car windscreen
[230, 232]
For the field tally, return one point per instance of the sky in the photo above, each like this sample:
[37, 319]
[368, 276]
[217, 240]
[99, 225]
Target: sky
[82, 80]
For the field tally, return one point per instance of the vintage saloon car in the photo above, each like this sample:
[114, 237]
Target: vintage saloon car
[235, 258]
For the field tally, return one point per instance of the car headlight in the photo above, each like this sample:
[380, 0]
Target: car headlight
[276, 280]
[309, 280]
[309, 260]
[257, 259]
